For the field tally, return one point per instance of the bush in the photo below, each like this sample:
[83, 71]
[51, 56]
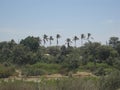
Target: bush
[111, 82]
[33, 72]
[100, 71]
[40, 69]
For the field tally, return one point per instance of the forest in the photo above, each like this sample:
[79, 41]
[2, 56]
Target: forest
[34, 58]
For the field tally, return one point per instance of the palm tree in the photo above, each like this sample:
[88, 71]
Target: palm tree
[68, 41]
[57, 37]
[75, 39]
[89, 37]
[51, 39]
[89, 34]
[45, 39]
[82, 37]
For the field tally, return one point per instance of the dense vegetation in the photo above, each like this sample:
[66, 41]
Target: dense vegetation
[33, 57]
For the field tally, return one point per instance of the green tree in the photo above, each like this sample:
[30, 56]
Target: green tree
[113, 41]
[22, 55]
[57, 37]
[89, 37]
[118, 48]
[68, 41]
[31, 42]
[45, 39]
[82, 38]
[89, 34]
[75, 39]
[104, 52]
[51, 39]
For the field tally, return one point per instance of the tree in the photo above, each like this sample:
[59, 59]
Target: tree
[45, 39]
[22, 55]
[19, 54]
[57, 37]
[113, 41]
[75, 39]
[89, 37]
[105, 53]
[68, 41]
[31, 42]
[89, 52]
[11, 44]
[118, 48]
[89, 34]
[82, 37]
[51, 39]
[63, 50]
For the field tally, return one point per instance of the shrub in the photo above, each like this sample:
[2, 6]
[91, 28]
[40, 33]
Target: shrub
[111, 82]
[41, 69]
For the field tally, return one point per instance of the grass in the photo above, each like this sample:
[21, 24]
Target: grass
[62, 84]
[109, 82]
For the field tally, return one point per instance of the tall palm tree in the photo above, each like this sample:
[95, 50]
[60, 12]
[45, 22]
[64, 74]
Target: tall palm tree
[89, 37]
[89, 34]
[75, 38]
[57, 37]
[82, 37]
[51, 39]
[68, 41]
[45, 39]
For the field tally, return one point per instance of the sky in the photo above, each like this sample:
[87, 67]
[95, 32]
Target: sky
[22, 18]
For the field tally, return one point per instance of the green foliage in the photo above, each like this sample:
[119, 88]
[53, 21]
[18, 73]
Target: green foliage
[22, 55]
[111, 82]
[18, 85]
[31, 42]
[98, 69]
[53, 51]
[113, 41]
[41, 69]
[117, 63]
[92, 56]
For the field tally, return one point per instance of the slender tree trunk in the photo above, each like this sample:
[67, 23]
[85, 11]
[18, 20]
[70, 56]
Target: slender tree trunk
[81, 42]
[68, 44]
[50, 42]
[44, 42]
[75, 43]
[57, 41]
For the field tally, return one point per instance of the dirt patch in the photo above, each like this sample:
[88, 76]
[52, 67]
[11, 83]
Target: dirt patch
[52, 76]
[83, 74]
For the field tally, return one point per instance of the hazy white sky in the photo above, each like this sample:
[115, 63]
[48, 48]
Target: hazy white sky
[21, 18]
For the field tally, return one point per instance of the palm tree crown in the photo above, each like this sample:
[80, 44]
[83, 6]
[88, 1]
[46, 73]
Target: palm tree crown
[75, 39]
[51, 39]
[68, 41]
[45, 38]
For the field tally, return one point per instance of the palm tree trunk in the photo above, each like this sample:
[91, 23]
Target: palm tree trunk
[75, 43]
[81, 42]
[50, 42]
[57, 41]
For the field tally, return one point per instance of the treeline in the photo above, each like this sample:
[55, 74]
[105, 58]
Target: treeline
[88, 56]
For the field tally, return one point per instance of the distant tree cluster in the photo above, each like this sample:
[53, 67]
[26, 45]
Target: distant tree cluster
[30, 51]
